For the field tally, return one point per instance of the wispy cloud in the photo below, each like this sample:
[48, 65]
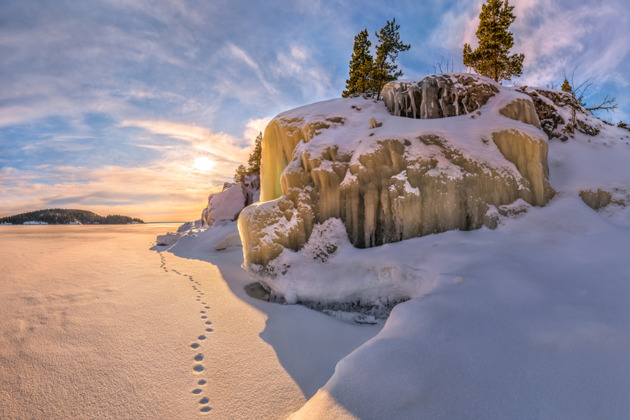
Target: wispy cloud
[157, 193]
[298, 66]
[254, 127]
[220, 145]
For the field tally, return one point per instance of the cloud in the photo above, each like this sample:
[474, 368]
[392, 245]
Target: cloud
[161, 192]
[557, 34]
[220, 145]
[254, 127]
[305, 71]
[457, 26]
[241, 55]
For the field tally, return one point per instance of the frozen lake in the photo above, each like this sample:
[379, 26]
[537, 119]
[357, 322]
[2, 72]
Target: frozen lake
[96, 323]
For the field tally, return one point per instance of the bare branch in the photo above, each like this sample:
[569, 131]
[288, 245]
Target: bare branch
[579, 92]
[608, 104]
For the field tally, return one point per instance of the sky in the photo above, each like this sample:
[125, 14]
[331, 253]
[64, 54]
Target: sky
[144, 108]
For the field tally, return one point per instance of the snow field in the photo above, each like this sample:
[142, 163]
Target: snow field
[97, 322]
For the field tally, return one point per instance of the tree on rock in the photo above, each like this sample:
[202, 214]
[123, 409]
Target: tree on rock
[491, 58]
[360, 80]
[385, 68]
[253, 163]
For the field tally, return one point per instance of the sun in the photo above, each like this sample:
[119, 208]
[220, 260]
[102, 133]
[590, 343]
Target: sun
[203, 164]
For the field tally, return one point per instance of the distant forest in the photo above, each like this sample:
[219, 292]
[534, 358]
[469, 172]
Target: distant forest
[66, 216]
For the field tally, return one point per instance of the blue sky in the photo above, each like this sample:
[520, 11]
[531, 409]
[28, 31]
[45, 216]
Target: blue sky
[145, 107]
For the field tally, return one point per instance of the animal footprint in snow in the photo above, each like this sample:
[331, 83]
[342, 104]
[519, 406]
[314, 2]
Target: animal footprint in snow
[198, 368]
[194, 345]
[199, 357]
[202, 337]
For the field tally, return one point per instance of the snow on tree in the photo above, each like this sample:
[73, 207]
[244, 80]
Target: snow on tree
[491, 58]
[359, 80]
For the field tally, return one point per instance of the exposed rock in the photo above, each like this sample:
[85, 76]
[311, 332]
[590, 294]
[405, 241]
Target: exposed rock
[407, 179]
[596, 199]
[560, 114]
[438, 96]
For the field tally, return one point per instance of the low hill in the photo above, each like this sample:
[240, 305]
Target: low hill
[67, 216]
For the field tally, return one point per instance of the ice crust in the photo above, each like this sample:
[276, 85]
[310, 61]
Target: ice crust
[406, 178]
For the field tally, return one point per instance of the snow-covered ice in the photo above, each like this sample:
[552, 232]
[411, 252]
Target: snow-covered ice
[97, 322]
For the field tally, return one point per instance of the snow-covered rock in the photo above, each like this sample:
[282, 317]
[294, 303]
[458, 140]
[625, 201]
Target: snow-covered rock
[168, 239]
[230, 240]
[403, 179]
[227, 204]
[224, 205]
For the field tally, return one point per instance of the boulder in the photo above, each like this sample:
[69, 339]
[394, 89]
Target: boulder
[406, 178]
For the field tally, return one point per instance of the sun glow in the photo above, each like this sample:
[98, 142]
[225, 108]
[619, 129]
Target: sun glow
[203, 164]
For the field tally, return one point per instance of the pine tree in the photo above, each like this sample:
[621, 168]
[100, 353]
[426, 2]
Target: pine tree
[385, 68]
[241, 171]
[491, 58]
[256, 155]
[361, 64]
[253, 163]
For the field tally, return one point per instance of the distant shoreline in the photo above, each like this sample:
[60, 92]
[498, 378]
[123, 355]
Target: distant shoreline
[93, 224]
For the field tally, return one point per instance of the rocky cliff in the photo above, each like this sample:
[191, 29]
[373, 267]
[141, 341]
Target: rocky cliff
[467, 147]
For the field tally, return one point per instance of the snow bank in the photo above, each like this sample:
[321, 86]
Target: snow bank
[527, 321]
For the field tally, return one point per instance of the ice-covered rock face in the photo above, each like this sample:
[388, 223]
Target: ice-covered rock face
[438, 96]
[401, 179]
